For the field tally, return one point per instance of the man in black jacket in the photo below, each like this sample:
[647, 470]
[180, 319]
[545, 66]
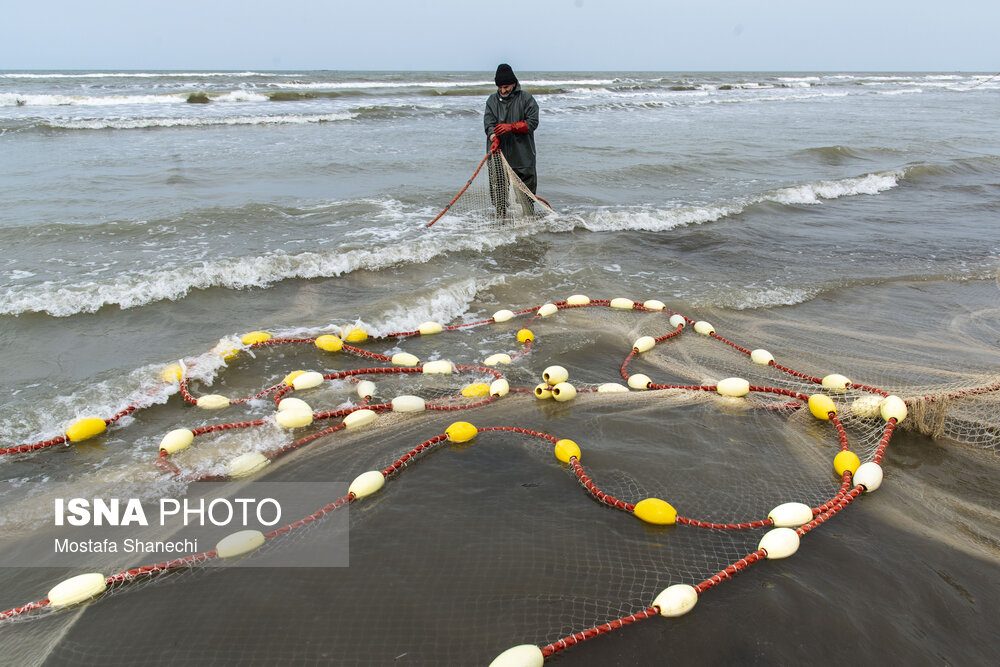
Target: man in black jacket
[510, 120]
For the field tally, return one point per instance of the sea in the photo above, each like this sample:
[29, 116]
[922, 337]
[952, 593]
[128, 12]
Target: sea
[148, 214]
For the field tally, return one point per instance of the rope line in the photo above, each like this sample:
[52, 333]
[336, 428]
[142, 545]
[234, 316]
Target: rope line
[846, 493]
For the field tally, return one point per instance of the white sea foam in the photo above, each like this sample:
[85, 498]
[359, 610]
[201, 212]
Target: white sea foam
[812, 193]
[49, 100]
[140, 123]
[656, 219]
[35, 421]
[132, 75]
[659, 219]
[241, 96]
[19, 99]
[137, 288]
[444, 304]
[754, 296]
[362, 85]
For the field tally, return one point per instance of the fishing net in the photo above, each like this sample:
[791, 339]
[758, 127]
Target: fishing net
[504, 535]
[494, 196]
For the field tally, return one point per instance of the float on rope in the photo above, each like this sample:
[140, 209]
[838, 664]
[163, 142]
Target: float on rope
[789, 521]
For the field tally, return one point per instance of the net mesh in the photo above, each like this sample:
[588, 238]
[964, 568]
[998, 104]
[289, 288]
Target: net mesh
[494, 196]
[474, 547]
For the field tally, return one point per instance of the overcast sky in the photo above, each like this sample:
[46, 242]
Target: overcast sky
[664, 35]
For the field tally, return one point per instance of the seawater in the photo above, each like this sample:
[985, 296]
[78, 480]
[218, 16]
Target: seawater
[141, 224]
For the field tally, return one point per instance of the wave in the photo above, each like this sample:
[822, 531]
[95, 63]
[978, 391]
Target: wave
[42, 418]
[401, 243]
[138, 288]
[54, 100]
[748, 297]
[658, 219]
[384, 112]
[132, 75]
[812, 193]
[831, 154]
[51, 100]
[984, 164]
[144, 123]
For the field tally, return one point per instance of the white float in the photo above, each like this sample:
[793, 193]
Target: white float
[296, 418]
[176, 440]
[439, 367]
[366, 389]
[866, 407]
[791, 515]
[212, 402]
[499, 387]
[644, 344]
[239, 544]
[836, 381]
[893, 407]
[77, 589]
[733, 387]
[408, 403]
[869, 475]
[779, 543]
[525, 655]
[428, 328]
[704, 328]
[498, 358]
[564, 391]
[359, 418]
[676, 600]
[548, 309]
[405, 359]
[307, 380]
[247, 464]
[367, 483]
[611, 388]
[639, 381]
[292, 403]
[503, 315]
[553, 375]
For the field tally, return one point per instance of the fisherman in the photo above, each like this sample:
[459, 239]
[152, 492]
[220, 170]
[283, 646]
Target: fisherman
[510, 120]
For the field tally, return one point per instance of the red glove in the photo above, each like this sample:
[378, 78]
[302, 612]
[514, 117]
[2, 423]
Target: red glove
[520, 127]
[502, 128]
[495, 144]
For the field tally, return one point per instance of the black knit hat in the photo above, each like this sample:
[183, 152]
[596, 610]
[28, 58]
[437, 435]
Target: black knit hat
[505, 75]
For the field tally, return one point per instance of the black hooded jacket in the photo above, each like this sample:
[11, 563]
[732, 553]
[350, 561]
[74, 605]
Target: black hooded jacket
[519, 149]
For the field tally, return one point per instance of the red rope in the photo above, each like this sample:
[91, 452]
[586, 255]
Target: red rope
[890, 426]
[605, 498]
[729, 342]
[315, 516]
[838, 505]
[464, 188]
[725, 526]
[399, 463]
[22, 449]
[841, 433]
[730, 571]
[597, 631]
[796, 373]
[517, 429]
[17, 611]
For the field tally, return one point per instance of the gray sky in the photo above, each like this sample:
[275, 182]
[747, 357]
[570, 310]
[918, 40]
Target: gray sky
[663, 35]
